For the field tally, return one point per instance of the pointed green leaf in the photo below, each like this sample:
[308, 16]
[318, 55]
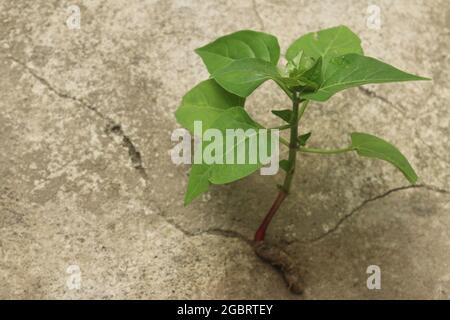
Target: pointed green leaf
[300, 64]
[239, 45]
[314, 74]
[205, 102]
[303, 139]
[370, 146]
[353, 70]
[286, 115]
[198, 182]
[236, 118]
[202, 175]
[306, 77]
[242, 77]
[297, 84]
[326, 43]
[290, 82]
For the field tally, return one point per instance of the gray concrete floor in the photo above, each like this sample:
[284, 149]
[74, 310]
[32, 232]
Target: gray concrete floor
[87, 189]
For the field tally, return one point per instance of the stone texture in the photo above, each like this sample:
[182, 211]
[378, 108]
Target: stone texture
[86, 179]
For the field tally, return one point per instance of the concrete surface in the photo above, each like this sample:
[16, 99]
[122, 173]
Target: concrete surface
[86, 181]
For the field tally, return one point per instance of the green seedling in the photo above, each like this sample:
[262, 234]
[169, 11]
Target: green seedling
[319, 65]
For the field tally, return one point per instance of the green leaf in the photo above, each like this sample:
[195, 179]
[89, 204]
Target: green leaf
[300, 64]
[202, 175]
[326, 44]
[305, 77]
[242, 77]
[320, 64]
[314, 74]
[353, 70]
[285, 165]
[370, 146]
[290, 82]
[235, 118]
[303, 139]
[198, 182]
[205, 102]
[239, 45]
[285, 115]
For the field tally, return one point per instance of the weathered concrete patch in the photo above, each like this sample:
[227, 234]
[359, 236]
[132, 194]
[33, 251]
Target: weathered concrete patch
[86, 180]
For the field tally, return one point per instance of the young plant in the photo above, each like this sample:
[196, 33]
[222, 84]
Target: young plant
[319, 65]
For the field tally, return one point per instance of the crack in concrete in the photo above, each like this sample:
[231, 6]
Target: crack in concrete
[213, 231]
[258, 16]
[112, 126]
[366, 202]
[136, 159]
[133, 153]
[373, 94]
[277, 258]
[437, 155]
[288, 272]
[227, 234]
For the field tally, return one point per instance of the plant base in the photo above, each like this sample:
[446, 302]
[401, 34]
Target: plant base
[281, 261]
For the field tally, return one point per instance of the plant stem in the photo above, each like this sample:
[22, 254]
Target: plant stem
[302, 111]
[284, 190]
[322, 151]
[318, 151]
[293, 144]
[261, 232]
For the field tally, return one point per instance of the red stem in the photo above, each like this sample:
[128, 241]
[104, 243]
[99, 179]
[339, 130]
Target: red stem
[261, 232]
